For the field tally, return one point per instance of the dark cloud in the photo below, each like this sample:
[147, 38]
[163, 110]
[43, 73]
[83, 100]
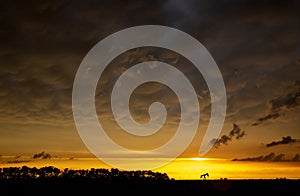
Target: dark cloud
[43, 43]
[296, 157]
[288, 101]
[18, 161]
[285, 140]
[279, 157]
[265, 118]
[254, 72]
[26, 159]
[41, 155]
[270, 157]
[282, 104]
[235, 133]
[145, 95]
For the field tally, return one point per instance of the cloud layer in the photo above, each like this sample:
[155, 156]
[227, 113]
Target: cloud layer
[272, 157]
[256, 45]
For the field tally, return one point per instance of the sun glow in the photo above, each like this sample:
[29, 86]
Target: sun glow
[184, 168]
[201, 159]
[192, 168]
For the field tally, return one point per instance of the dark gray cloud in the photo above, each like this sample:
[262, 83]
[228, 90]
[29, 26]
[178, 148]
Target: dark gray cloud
[256, 45]
[43, 44]
[25, 159]
[15, 159]
[278, 106]
[18, 161]
[145, 95]
[41, 155]
[273, 115]
[235, 133]
[270, 157]
[296, 157]
[285, 140]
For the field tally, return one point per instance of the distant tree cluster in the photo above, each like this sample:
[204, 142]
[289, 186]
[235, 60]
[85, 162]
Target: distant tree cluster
[93, 173]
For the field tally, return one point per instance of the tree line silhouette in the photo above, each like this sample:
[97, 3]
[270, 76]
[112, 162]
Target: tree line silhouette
[54, 181]
[51, 172]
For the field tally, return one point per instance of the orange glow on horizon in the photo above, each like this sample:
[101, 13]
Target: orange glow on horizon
[187, 168]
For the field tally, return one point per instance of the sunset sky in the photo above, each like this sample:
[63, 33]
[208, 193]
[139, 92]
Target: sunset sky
[256, 45]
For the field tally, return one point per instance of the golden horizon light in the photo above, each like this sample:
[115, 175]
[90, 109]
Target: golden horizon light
[186, 168]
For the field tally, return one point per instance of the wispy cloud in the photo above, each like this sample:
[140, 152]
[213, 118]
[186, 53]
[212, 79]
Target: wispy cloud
[279, 105]
[25, 159]
[235, 133]
[270, 157]
[18, 161]
[272, 115]
[284, 140]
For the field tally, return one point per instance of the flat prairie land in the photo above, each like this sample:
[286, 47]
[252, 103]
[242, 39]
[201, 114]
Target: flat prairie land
[152, 187]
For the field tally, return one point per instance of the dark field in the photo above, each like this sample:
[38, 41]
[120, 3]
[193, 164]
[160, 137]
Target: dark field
[169, 187]
[53, 181]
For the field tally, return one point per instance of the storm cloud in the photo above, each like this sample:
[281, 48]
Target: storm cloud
[285, 140]
[255, 44]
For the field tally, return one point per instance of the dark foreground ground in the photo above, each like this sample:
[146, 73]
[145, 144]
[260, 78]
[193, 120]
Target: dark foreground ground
[169, 187]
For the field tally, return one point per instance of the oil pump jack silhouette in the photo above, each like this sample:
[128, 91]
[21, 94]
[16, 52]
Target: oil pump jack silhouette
[204, 175]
